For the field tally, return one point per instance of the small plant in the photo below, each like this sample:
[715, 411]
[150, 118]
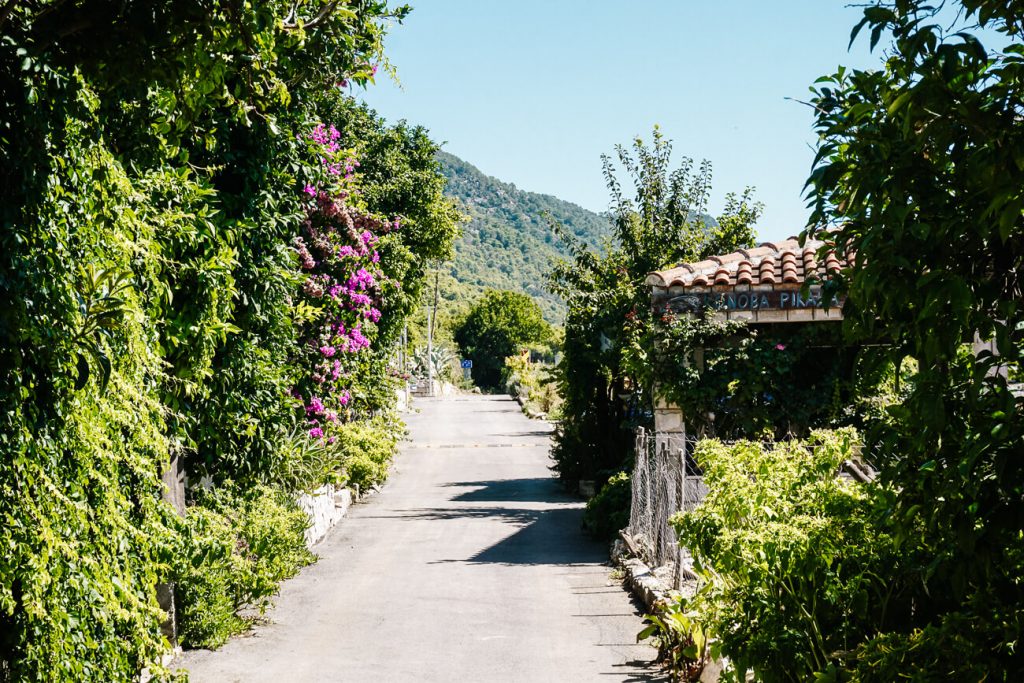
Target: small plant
[439, 363]
[682, 641]
[307, 463]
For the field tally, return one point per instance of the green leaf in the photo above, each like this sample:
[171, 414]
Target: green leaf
[82, 367]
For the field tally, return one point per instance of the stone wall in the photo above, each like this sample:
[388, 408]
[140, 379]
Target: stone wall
[325, 507]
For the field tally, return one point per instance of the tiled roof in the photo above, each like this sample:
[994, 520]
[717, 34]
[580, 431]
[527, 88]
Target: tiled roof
[769, 263]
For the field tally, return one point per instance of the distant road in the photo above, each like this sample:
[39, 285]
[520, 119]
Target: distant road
[468, 566]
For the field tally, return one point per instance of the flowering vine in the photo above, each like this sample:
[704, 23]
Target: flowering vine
[344, 284]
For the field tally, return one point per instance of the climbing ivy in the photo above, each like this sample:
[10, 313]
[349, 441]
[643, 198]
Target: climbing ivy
[152, 162]
[735, 381]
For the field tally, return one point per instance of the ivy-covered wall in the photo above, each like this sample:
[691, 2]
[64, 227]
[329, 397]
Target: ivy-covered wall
[159, 163]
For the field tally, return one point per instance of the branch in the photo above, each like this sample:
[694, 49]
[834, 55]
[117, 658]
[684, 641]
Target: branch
[315, 21]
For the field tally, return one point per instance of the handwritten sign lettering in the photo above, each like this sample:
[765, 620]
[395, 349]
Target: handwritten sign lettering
[749, 301]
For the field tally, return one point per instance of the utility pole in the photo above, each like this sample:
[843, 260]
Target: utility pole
[430, 351]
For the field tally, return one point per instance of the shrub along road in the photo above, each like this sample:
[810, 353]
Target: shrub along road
[468, 566]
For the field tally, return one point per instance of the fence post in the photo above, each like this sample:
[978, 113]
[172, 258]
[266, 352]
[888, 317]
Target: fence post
[681, 501]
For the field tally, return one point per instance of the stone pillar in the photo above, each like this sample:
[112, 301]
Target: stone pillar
[669, 426]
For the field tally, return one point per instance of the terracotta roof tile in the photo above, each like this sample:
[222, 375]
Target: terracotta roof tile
[768, 263]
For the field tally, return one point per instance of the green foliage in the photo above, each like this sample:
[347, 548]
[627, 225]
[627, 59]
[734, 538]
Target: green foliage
[919, 170]
[233, 551]
[608, 510]
[81, 426]
[791, 555]
[507, 240]
[498, 326]
[356, 454]
[307, 464]
[369, 446]
[150, 187]
[682, 643]
[734, 381]
[532, 384]
[608, 304]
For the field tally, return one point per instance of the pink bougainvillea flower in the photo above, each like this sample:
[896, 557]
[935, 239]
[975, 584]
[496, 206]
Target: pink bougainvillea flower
[315, 406]
[310, 190]
[780, 347]
[316, 433]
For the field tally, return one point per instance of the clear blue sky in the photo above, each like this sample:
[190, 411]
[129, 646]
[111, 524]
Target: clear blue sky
[534, 91]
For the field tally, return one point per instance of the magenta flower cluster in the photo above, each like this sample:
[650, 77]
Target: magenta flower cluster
[337, 251]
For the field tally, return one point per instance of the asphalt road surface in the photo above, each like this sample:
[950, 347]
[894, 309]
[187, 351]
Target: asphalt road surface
[468, 566]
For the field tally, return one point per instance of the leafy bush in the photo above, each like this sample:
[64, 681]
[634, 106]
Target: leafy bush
[608, 511]
[792, 555]
[533, 384]
[235, 548]
[369, 447]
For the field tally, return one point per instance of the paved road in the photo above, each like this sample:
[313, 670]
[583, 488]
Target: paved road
[468, 567]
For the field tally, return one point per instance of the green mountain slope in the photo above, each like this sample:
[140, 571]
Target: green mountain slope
[507, 242]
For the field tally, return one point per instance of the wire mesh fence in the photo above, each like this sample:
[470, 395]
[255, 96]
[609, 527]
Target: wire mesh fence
[665, 481]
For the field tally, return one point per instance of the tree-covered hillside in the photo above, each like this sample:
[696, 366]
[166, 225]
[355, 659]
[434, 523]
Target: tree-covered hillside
[507, 241]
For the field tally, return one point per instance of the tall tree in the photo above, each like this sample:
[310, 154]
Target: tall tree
[920, 174]
[498, 326]
[665, 222]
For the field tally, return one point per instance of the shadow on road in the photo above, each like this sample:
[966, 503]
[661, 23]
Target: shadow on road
[634, 676]
[552, 537]
[539, 489]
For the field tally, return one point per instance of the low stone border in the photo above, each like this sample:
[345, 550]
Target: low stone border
[328, 505]
[324, 507]
[641, 580]
[651, 588]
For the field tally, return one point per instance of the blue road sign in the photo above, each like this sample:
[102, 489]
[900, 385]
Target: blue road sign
[467, 364]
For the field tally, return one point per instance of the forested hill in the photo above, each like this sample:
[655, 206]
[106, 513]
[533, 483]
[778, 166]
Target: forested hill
[507, 242]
